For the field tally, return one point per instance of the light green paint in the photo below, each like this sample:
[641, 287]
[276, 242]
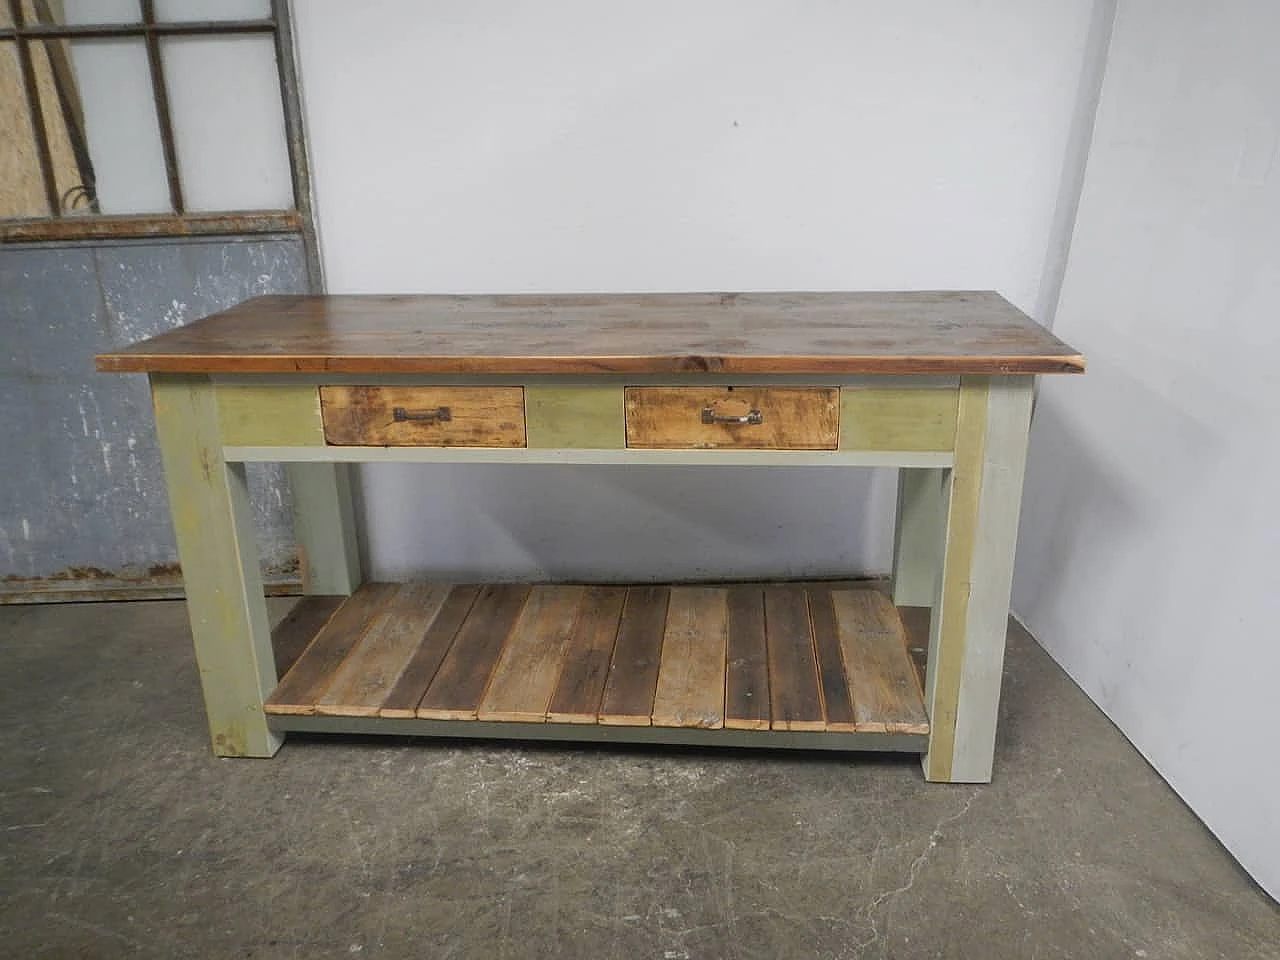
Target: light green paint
[918, 536]
[574, 417]
[324, 524]
[596, 733]
[213, 524]
[621, 457]
[281, 416]
[897, 418]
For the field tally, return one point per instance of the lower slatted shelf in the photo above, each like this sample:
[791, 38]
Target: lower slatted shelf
[797, 657]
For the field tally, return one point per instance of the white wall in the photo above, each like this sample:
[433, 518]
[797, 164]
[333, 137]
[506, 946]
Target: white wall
[1149, 535]
[658, 145]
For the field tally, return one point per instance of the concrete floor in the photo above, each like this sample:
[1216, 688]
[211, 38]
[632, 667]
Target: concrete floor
[122, 836]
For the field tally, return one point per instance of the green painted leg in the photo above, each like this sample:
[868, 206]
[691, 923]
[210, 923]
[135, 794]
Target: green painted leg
[212, 520]
[970, 615]
[324, 524]
[919, 535]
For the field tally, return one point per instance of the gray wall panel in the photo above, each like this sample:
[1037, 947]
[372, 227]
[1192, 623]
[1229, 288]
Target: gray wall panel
[81, 492]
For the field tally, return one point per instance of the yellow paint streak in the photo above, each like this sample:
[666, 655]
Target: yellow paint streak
[962, 525]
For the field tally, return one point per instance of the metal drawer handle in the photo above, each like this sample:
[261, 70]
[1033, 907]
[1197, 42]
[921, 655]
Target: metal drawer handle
[710, 416]
[438, 415]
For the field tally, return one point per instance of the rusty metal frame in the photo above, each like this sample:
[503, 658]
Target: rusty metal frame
[57, 226]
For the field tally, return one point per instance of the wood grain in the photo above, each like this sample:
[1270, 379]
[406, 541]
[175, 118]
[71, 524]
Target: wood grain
[952, 332]
[691, 677]
[299, 627]
[310, 677]
[795, 699]
[586, 657]
[459, 684]
[478, 416]
[886, 693]
[633, 673]
[793, 418]
[837, 700]
[370, 672]
[746, 698]
[421, 669]
[524, 678]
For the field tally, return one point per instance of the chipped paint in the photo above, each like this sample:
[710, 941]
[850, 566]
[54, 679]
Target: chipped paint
[82, 502]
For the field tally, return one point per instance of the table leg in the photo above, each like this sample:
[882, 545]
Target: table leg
[971, 611]
[324, 524]
[213, 524]
[919, 535]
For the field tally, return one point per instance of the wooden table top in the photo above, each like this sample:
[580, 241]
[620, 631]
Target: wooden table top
[749, 333]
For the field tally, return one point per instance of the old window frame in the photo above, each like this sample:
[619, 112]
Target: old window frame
[58, 225]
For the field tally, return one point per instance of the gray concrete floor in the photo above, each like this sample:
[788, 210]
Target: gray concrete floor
[122, 836]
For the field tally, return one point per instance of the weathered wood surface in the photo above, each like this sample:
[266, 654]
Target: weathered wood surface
[953, 332]
[882, 678]
[633, 671]
[476, 416]
[524, 678]
[783, 657]
[304, 685]
[791, 418]
[746, 697]
[586, 657]
[691, 676]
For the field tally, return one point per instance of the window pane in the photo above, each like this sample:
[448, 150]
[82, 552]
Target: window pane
[21, 185]
[100, 11]
[228, 122]
[120, 126]
[176, 10]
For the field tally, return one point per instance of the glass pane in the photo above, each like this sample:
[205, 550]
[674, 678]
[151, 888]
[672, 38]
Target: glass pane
[99, 11]
[178, 10]
[228, 122]
[6, 20]
[21, 184]
[120, 126]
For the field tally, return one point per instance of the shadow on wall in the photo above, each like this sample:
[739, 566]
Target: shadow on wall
[1118, 509]
[605, 523]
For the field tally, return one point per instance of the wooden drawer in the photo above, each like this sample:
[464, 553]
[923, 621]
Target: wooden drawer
[763, 418]
[423, 416]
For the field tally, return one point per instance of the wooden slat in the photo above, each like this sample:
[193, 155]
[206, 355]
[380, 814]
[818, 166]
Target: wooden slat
[795, 699]
[586, 657]
[369, 673]
[946, 332]
[886, 693]
[417, 675]
[306, 683]
[460, 682]
[746, 698]
[691, 675]
[633, 673]
[524, 678]
[836, 699]
[299, 627]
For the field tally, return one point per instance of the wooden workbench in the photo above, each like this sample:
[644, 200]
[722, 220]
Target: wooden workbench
[936, 384]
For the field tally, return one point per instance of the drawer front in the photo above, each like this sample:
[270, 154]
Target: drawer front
[761, 418]
[423, 416]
